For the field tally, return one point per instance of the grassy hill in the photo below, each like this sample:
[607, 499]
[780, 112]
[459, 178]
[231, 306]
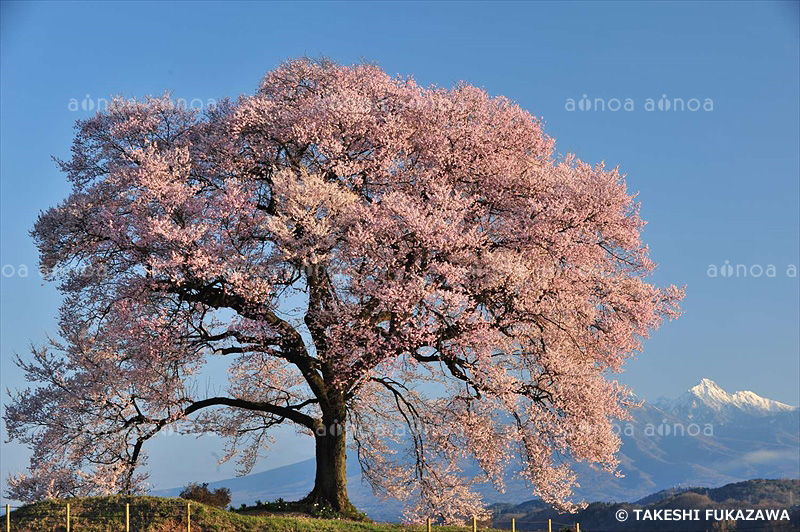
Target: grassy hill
[159, 514]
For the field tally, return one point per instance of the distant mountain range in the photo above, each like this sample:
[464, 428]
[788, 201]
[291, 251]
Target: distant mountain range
[705, 437]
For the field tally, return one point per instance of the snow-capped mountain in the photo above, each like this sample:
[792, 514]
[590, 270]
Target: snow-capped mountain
[708, 401]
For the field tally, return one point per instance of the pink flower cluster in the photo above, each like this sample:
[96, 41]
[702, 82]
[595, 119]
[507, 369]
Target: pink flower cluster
[357, 246]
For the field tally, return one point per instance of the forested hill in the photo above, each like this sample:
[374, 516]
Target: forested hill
[600, 516]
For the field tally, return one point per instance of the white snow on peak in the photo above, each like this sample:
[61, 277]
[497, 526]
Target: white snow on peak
[712, 395]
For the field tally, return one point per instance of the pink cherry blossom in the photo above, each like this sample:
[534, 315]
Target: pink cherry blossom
[464, 293]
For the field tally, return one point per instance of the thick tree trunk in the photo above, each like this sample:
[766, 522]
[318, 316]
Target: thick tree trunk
[330, 484]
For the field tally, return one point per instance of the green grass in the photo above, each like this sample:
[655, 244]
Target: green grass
[158, 514]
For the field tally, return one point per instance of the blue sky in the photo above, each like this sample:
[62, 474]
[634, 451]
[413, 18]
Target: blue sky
[716, 185]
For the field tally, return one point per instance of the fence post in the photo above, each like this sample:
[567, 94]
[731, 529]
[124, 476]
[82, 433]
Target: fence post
[8, 518]
[429, 524]
[127, 517]
[67, 517]
[188, 517]
[549, 525]
[513, 525]
[474, 524]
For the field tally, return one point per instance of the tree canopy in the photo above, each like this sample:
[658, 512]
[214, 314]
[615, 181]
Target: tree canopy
[410, 271]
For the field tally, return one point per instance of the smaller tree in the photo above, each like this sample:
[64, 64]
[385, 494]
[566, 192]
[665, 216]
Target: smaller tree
[220, 497]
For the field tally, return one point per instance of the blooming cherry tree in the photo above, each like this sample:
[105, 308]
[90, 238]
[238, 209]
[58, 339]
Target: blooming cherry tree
[409, 271]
